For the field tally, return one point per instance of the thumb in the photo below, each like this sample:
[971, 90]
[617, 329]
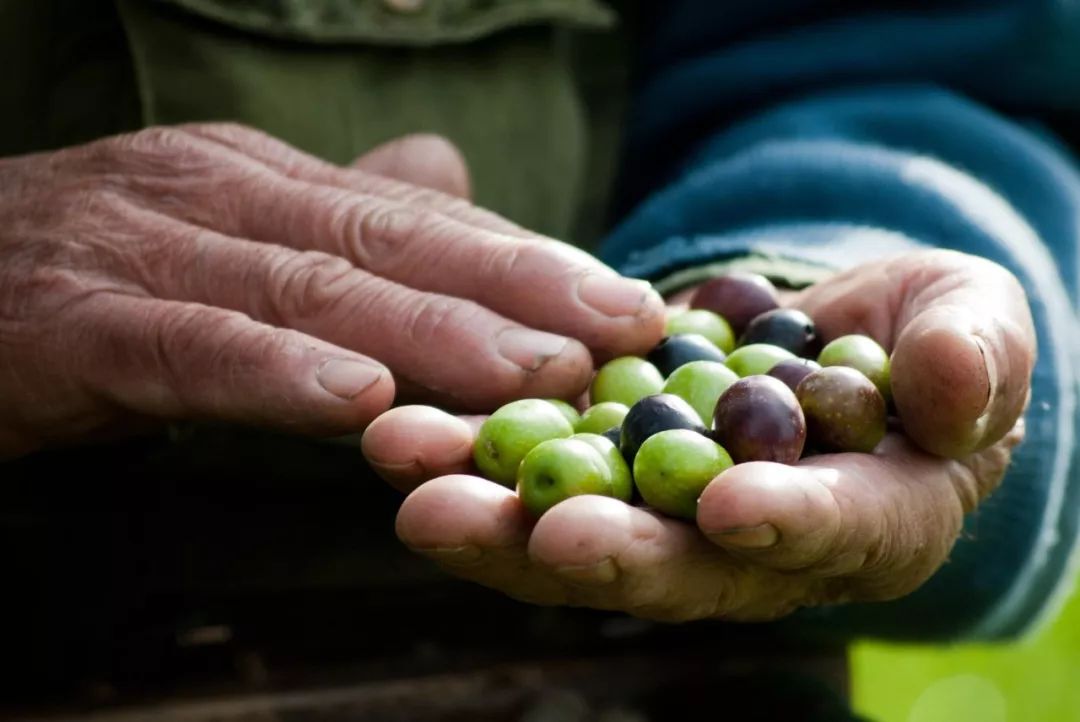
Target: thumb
[961, 336]
[422, 159]
[963, 358]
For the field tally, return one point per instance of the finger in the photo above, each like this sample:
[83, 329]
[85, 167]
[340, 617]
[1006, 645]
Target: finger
[367, 179]
[885, 520]
[458, 511]
[962, 341]
[431, 251]
[425, 160]
[580, 299]
[412, 444]
[624, 557]
[174, 360]
[964, 364]
[589, 551]
[450, 345]
[477, 530]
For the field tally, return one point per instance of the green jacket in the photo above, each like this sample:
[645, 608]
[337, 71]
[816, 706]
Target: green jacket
[530, 90]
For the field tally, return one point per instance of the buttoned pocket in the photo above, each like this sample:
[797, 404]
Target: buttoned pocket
[394, 22]
[337, 77]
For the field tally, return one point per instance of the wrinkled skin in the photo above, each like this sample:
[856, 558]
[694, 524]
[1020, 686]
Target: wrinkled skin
[769, 538]
[212, 272]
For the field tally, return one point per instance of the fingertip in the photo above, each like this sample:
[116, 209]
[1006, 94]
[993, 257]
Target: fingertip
[783, 511]
[580, 532]
[424, 159]
[962, 363]
[566, 374]
[623, 316]
[457, 511]
[740, 498]
[410, 444]
[376, 399]
[513, 362]
[366, 386]
[645, 329]
[651, 321]
[945, 382]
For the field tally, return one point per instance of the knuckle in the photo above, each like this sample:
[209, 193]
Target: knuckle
[58, 262]
[103, 203]
[720, 602]
[907, 551]
[867, 538]
[382, 225]
[375, 233]
[436, 200]
[311, 284]
[968, 478]
[980, 474]
[37, 294]
[150, 141]
[147, 261]
[171, 335]
[177, 331]
[442, 318]
[652, 595]
[162, 167]
[178, 336]
[507, 261]
[72, 213]
[249, 140]
[48, 289]
[225, 130]
[153, 160]
[418, 196]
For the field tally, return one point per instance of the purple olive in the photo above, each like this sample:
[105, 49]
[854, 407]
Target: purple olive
[787, 328]
[844, 410]
[738, 297]
[758, 419]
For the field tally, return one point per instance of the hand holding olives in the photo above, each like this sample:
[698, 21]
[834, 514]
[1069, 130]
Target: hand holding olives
[689, 384]
[783, 528]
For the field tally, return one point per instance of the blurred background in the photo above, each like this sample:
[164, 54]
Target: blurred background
[125, 592]
[1034, 681]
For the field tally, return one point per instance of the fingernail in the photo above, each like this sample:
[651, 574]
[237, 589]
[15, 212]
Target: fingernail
[616, 296]
[347, 378]
[529, 349]
[465, 554]
[403, 477]
[991, 371]
[761, 536]
[604, 572]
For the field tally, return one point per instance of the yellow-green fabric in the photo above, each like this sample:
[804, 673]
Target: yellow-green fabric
[503, 79]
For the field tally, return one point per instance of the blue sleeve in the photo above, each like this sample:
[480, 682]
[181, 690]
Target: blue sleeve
[839, 176]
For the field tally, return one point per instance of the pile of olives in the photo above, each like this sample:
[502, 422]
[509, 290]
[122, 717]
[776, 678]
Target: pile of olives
[736, 379]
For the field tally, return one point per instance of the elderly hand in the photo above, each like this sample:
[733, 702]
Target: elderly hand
[770, 538]
[210, 271]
